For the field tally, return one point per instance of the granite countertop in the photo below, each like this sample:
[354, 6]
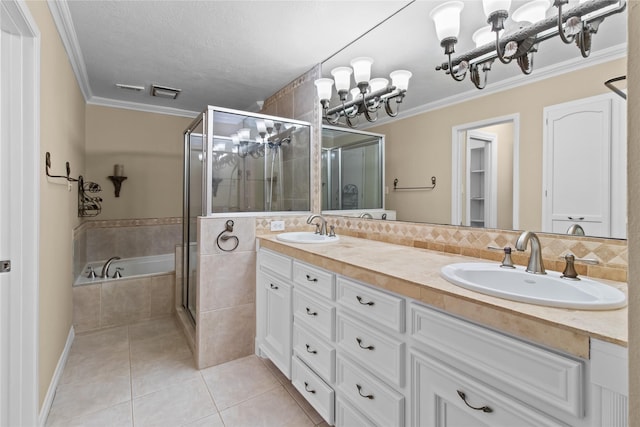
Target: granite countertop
[415, 273]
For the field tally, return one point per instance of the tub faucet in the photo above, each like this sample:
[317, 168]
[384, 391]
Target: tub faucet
[323, 223]
[535, 266]
[105, 268]
[366, 215]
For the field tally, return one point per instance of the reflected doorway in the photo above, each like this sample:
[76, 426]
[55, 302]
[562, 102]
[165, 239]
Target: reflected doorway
[485, 173]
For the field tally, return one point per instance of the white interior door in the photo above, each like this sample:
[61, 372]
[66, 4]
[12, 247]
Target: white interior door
[481, 203]
[577, 166]
[19, 212]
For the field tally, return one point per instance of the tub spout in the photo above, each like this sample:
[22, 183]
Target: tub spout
[105, 268]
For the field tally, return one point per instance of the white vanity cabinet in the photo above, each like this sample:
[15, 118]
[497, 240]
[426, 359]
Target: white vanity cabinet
[363, 356]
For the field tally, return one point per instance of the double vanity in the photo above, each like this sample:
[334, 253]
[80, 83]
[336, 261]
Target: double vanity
[371, 334]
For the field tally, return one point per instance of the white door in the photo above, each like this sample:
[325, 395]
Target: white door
[19, 152]
[577, 186]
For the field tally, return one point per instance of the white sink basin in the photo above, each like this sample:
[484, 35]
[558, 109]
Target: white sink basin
[305, 237]
[542, 289]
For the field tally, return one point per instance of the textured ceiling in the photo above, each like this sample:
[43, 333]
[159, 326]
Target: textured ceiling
[235, 53]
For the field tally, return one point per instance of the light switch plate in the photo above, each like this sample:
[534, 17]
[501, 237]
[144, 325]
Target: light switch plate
[277, 225]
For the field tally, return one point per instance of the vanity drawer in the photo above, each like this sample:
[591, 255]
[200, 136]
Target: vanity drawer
[317, 315]
[312, 388]
[275, 263]
[315, 352]
[348, 416]
[369, 395]
[377, 306]
[538, 377]
[374, 350]
[314, 279]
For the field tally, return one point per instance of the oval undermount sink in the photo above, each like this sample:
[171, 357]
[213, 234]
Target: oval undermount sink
[542, 289]
[306, 237]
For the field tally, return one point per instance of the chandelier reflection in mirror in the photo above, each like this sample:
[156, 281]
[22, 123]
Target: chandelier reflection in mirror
[367, 97]
[576, 25]
[270, 134]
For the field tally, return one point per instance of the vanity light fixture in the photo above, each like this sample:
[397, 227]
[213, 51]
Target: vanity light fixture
[575, 25]
[367, 97]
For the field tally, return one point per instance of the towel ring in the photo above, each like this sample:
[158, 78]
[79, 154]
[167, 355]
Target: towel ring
[227, 229]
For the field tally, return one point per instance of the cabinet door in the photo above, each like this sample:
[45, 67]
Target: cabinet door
[278, 323]
[444, 397]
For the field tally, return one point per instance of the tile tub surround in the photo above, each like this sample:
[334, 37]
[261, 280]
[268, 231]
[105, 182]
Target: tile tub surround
[225, 301]
[415, 273]
[611, 253]
[100, 240]
[122, 302]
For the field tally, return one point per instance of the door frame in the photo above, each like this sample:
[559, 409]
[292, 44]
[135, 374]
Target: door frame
[458, 140]
[24, 212]
[491, 178]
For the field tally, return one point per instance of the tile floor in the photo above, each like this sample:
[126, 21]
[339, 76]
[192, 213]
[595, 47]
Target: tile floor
[144, 375]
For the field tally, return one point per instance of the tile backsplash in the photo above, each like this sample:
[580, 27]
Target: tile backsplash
[612, 254]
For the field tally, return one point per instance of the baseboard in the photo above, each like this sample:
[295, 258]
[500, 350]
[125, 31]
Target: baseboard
[53, 385]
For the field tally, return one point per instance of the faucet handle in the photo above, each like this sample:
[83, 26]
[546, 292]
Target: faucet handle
[317, 228]
[91, 274]
[332, 230]
[569, 271]
[591, 261]
[117, 274]
[507, 262]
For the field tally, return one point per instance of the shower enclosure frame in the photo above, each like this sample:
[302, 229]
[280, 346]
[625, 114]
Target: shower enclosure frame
[206, 120]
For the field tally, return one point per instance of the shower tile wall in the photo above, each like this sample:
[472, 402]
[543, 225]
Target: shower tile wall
[225, 307]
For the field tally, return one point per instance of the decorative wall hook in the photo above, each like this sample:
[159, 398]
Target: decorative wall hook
[47, 165]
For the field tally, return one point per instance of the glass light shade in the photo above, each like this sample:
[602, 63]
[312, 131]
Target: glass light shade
[491, 6]
[355, 93]
[262, 127]
[342, 77]
[446, 18]
[324, 86]
[235, 139]
[483, 36]
[400, 79]
[268, 124]
[378, 83]
[244, 134]
[361, 69]
[531, 12]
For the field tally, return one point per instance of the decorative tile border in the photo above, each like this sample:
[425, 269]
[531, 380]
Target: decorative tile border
[611, 254]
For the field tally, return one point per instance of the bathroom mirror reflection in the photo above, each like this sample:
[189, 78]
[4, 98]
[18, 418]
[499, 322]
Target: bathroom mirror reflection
[420, 142]
[352, 170]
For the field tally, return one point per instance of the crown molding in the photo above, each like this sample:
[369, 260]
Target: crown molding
[136, 106]
[64, 23]
[555, 70]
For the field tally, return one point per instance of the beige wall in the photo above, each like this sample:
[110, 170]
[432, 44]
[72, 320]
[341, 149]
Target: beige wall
[419, 147]
[633, 174]
[150, 147]
[62, 134]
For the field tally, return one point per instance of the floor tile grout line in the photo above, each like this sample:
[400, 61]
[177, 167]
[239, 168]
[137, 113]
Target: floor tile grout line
[215, 405]
[133, 420]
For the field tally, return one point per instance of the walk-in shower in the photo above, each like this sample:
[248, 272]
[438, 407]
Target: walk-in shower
[240, 162]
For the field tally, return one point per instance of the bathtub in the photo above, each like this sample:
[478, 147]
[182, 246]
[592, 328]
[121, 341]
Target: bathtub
[131, 268]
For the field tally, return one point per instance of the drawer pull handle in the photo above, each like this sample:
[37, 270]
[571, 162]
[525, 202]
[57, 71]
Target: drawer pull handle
[366, 396]
[364, 303]
[273, 286]
[574, 218]
[311, 313]
[307, 389]
[369, 347]
[311, 279]
[311, 351]
[477, 408]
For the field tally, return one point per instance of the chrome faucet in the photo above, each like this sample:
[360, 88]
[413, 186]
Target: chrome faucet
[105, 268]
[576, 230]
[535, 266]
[366, 215]
[323, 223]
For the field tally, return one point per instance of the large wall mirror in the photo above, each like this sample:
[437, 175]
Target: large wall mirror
[443, 125]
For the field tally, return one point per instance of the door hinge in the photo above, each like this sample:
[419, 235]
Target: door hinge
[5, 266]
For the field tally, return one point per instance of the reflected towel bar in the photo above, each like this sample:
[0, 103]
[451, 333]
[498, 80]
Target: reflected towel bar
[433, 181]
